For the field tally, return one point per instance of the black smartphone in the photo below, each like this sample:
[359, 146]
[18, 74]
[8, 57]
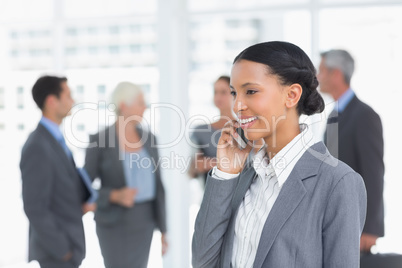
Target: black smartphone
[241, 139]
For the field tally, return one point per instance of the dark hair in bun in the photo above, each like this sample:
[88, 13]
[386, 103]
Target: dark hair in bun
[292, 65]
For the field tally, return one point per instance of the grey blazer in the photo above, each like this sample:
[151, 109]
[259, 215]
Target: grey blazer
[102, 161]
[53, 194]
[315, 222]
[361, 146]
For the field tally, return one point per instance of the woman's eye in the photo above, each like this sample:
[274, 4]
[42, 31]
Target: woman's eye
[251, 92]
[233, 93]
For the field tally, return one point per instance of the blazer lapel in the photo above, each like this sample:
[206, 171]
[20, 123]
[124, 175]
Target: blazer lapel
[245, 180]
[349, 108]
[114, 152]
[58, 149]
[289, 198]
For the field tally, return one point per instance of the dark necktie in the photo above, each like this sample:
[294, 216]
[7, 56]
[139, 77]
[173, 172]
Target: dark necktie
[65, 148]
[331, 135]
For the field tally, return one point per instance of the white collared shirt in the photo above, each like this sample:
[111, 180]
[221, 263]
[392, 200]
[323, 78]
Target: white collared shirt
[262, 194]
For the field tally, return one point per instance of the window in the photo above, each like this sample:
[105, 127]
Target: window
[81, 127]
[93, 30]
[80, 89]
[233, 23]
[238, 45]
[72, 31]
[32, 34]
[148, 28]
[148, 48]
[93, 50]
[2, 98]
[14, 35]
[114, 29]
[79, 94]
[71, 51]
[46, 33]
[135, 48]
[102, 96]
[114, 49]
[15, 53]
[20, 98]
[135, 28]
[39, 52]
[101, 90]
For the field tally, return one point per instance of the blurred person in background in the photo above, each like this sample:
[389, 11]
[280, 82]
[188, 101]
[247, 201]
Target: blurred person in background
[131, 201]
[54, 193]
[206, 136]
[354, 135]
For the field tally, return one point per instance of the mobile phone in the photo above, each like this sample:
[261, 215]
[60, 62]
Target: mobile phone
[241, 138]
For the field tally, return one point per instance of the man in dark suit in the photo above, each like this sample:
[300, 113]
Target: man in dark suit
[354, 135]
[53, 192]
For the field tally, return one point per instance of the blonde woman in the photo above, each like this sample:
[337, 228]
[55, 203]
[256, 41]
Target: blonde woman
[131, 200]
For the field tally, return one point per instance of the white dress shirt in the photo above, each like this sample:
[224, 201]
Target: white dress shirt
[262, 194]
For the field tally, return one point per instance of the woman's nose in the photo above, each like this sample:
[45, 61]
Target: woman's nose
[239, 106]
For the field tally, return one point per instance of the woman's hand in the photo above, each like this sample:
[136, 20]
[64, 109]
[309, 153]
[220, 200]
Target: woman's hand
[230, 158]
[87, 207]
[124, 196]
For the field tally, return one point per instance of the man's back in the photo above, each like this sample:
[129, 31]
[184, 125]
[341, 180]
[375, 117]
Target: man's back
[361, 146]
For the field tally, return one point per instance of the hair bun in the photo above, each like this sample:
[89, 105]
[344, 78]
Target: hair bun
[314, 103]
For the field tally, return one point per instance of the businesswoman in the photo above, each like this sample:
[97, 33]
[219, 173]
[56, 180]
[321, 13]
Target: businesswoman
[131, 201]
[288, 203]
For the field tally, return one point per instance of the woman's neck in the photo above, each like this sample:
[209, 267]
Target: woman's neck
[280, 138]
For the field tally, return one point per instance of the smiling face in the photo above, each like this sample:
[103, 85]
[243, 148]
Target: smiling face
[259, 99]
[266, 108]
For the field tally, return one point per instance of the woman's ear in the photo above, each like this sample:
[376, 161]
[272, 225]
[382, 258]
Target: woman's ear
[294, 93]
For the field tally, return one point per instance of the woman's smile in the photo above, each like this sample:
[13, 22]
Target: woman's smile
[247, 121]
